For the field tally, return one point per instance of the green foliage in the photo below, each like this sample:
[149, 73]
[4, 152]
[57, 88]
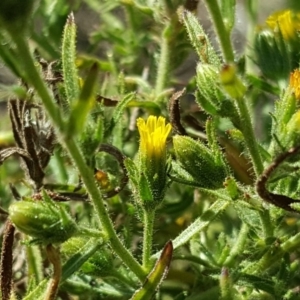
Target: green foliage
[107, 201]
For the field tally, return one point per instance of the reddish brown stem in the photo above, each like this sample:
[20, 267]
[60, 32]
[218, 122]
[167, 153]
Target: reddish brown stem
[281, 201]
[7, 260]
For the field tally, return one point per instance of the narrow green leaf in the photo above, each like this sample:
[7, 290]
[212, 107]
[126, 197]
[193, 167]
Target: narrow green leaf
[132, 171]
[78, 259]
[156, 276]
[85, 102]
[68, 60]
[118, 112]
[199, 39]
[200, 223]
[150, 106]
[39, 292]
[145, 191]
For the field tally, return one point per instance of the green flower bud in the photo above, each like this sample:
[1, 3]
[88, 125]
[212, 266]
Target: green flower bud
[272, 55]
[14, 14]
[208, 83]
[196, 165]
[46, 221]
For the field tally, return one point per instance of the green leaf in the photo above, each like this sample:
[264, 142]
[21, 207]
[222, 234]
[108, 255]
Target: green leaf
[200, 223]
[156, 276]
[39, 292]
[199, 39]
[118, 112]
[84, 104]
[68, 60]
[145, 193]
[150, 106]
[79, 258]
[132, 171]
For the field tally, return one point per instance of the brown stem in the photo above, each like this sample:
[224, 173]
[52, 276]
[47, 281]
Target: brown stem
[54, 257]
[281, 201]
[7, 260]
[174, 110]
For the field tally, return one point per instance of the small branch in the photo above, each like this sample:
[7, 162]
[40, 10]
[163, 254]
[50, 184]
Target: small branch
[54, 257]
[281, 201]
[7, 260]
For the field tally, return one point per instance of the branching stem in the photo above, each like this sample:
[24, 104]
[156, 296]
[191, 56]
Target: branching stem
[86, 174]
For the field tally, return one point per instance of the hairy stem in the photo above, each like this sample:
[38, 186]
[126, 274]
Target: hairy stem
[249, 137]
[252, 146]
[223, 34]
[148, 236]
[163, 66]
[238, 245]
[7, 260]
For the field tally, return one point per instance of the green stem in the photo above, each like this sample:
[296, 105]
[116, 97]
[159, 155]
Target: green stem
[249, 137]
[252, 9]
[226, 286]
[73, 149]
[148, 236]
[163, 66]
[266, 223]
[89, 232]
[238, 246]
[223, 34]
[274, 255]
[252, 146]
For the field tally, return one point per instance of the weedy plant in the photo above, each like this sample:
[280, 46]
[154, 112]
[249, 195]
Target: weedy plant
[130, 183]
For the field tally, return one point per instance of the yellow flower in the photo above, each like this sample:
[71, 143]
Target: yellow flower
[153, 134]
[286, 21]
[295, 82]
[152, 160]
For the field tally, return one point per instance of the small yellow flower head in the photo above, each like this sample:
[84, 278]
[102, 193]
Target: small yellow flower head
[295, 83]
[152, 159]
[287, 22]
[153, 134]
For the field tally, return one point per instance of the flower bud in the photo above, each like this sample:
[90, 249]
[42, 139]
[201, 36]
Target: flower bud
[272, 55]
[46, 221]
[197, 166]
[208, 83]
